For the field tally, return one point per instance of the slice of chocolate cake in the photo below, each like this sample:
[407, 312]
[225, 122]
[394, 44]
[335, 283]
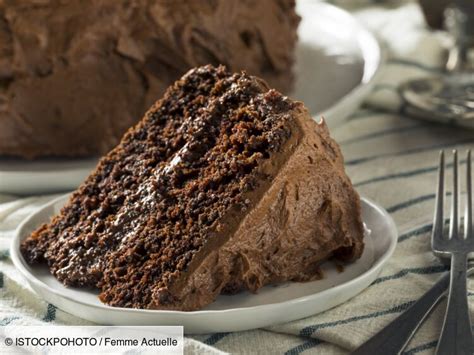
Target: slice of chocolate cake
[225, 185]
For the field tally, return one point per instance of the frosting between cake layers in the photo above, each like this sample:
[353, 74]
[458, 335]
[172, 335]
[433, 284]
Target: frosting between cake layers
[302, 219]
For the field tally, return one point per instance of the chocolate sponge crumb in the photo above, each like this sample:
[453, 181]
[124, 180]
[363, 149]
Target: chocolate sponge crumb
[137, 222]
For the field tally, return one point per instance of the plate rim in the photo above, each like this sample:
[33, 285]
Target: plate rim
[74, 165]
[365, 39]
[19, 263]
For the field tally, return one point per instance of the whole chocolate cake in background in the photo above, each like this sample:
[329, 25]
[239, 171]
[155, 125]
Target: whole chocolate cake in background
[74, 75]
[225, 185]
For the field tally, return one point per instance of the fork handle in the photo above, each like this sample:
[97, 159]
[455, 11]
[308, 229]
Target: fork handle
[395, 336]
[456, 334]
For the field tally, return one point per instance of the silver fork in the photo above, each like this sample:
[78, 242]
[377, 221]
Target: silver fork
[456, 334]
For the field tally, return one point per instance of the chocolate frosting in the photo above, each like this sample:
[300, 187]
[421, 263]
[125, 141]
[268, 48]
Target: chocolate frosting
[309, 212]
[224, 185]
[74, 75]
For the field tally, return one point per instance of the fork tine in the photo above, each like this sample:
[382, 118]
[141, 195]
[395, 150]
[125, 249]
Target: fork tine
[456, 335]
[438, 222]
[454, 222]
[468, 212]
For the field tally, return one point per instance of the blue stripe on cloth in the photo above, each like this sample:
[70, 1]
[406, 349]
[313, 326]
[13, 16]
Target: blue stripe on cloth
[416, 232]
[413, 64]
[214, 338]
[409, 203]
[8, 320]
[395, 176]
[433, 269]
[382, 133]
[409, 151]
[308, 331]
[311, 343]
[50, 313]
[420, 348]
[420, 230]
[405, 174]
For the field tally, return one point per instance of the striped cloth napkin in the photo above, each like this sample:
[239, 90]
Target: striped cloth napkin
[390, 158]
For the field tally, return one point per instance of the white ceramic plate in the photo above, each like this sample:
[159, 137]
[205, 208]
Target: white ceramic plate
[44, 176]
[272, 305]
[337, 60]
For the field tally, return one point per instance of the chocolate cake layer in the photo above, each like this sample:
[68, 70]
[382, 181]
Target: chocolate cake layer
[74, 75]
[225, 185]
